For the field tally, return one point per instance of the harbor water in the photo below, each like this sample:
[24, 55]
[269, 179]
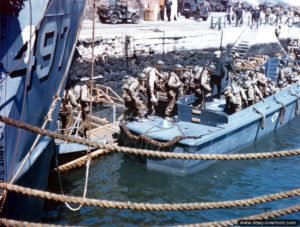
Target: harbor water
[118, 178]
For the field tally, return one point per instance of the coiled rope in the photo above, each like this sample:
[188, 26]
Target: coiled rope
[149, 206]
[149, 153]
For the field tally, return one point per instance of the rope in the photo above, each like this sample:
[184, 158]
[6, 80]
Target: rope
[15, 223]
[282, 110]
[79, 162]
[147, 139]
[88, 162]
[149, 153]
[262, 216]
[149, 206]
[296, 104]
[263, 117]
[56, 98]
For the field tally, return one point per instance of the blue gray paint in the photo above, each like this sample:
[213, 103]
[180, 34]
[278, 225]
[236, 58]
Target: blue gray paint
[36, 67]
[243, 128]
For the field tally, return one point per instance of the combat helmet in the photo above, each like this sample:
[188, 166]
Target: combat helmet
[211, 68]
[142, 76]
[177, 67]
[159, 63]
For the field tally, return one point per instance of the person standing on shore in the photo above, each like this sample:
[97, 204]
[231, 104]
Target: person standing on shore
[168, 5]
[162, 10]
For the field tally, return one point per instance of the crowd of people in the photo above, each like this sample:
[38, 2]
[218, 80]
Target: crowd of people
[244, 87]
[257, 16]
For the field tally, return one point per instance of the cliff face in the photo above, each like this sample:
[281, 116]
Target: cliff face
[137, 4]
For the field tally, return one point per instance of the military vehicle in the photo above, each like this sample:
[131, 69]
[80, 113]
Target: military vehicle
[189, 8]
[118, 12]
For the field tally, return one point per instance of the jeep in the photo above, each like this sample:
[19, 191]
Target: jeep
[115, 13]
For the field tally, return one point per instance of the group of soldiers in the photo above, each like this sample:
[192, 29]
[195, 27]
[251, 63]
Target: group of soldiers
[244, 87]
[141, 94]
[251, 86]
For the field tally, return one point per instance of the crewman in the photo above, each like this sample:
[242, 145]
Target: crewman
[218, 74]
[142, 96]
[174, 85]
[229, 65]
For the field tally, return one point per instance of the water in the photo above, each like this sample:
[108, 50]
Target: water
[121, 179]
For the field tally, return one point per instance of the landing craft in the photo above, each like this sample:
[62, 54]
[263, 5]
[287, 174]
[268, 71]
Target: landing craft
[210, 130]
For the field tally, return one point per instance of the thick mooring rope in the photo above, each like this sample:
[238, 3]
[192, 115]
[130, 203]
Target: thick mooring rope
[16, 223]
[149, 153]
[148, 206]
[261, 216]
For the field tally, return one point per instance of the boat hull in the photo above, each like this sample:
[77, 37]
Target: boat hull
[37, 42]
[243, 129]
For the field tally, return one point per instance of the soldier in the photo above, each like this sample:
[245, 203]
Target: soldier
[174, 85]
[240, 97]
[252, 92]
[155, 78]
[85, 99]
[230, 101]
[70, 101]
[186, 78]
[134, 105]
[200, 82]
[218, 74]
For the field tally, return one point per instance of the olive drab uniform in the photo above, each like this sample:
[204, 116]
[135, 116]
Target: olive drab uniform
[66, 113]
[85, 99]
[155, 79]
[174, 85]
[71, 100]
[130, 87]
[200, 82]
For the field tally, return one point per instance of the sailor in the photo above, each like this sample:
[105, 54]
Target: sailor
[155, 77]
[229, 65]
[174, 85]
[218, 74]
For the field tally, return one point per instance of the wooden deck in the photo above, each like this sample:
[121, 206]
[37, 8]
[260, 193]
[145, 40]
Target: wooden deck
[107, 132]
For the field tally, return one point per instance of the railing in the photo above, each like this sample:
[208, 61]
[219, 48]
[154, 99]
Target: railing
[104, 94]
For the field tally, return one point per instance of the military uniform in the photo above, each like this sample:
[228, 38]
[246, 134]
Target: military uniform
[154, 84]
[174, 84]
[130, 86]
[71, 100]
[218, 74]
[200, 84]
[85, 99]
